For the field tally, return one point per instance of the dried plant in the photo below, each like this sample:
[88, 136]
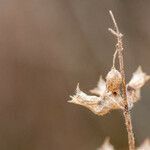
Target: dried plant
[114, 93]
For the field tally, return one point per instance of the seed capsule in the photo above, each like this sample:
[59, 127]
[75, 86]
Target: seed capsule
[113, 80]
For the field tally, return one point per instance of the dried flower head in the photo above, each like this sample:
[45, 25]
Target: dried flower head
[113, 80]
[106, 100]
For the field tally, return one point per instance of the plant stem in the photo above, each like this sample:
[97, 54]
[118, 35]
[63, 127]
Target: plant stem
[126, 112]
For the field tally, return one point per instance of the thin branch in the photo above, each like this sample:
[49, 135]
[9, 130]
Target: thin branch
[114, 21]
[126, 112]
[114, 58]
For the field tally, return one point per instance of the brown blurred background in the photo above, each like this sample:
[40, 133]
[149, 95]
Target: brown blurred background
[46, 47]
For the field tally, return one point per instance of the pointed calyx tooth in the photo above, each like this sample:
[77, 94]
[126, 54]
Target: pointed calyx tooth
[101, 87]
[83, 99]
[138, 79]
[106, 145]
[113, 80]
[145, 145]
[90, 102]
[78, 89]
[98, 105]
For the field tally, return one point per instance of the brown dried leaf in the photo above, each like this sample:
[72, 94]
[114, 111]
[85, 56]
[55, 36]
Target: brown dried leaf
[106, 145]
[145, 145]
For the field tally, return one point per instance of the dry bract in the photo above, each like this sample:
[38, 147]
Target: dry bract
[100, 89]
[145, 145]
[106, 145]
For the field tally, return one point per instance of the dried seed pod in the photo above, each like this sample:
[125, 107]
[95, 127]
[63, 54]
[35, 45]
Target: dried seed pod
[113, 80]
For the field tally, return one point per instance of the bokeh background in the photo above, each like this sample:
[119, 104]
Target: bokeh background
[46, 48]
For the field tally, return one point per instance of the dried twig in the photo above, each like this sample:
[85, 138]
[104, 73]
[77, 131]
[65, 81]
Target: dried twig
[126, 112]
